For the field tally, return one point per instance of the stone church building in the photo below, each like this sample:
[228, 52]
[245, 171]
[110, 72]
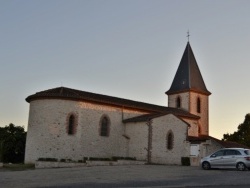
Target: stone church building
[65, 123]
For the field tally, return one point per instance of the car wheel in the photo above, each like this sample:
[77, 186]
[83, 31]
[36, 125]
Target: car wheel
[206, 165]
[241, 166]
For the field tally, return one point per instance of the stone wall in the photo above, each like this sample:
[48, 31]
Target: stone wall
[138, 140]
[160, 153]
[203, 121]
[47, 135]
[189, 103]
[193, 130]
[47, 130]
[184, 100]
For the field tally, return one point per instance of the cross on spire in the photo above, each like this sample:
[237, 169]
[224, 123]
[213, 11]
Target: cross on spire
[188, 35]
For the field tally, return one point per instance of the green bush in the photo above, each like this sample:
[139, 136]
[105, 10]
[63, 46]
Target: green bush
[12, 144]
[85, 159]
[41, 159]
[185, 161]
[130, 158]
[48, 159]
[115, 158]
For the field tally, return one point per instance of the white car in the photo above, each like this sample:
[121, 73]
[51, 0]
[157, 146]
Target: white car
[238, 158]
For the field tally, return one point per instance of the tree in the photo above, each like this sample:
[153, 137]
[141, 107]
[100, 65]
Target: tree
[12, 144]
[242, 136]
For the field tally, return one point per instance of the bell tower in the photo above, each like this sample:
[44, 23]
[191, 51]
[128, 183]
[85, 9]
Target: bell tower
[188, 90]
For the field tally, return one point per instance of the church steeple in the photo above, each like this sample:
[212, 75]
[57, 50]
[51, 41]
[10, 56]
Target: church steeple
[188, 92]
[188, 76]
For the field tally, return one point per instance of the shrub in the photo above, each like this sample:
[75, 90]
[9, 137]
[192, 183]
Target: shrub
[130, 158]
[52, 159]
[115, 158]
[41, 159]
[85, 159]
[48, 159]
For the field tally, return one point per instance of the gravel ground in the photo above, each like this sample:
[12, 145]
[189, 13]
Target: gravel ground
[125, 176]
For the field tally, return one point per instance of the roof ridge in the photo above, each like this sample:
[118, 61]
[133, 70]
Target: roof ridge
[78, 95]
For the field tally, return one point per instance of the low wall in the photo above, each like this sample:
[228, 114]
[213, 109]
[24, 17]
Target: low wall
[1, 165]
[195, 161]
[48, 164]
[114, 163]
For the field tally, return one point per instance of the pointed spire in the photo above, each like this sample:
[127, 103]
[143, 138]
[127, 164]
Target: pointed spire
[188, 76]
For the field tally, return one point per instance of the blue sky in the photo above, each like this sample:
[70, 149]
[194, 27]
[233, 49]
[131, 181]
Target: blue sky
[125, 48]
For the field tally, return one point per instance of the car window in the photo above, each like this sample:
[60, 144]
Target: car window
[237, 152]
[232, 152]
[218, 153]
[247, 151]
[229, 152]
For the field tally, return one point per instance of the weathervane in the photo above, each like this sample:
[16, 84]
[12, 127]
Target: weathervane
[188, 35]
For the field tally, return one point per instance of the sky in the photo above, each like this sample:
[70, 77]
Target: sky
[125, 48]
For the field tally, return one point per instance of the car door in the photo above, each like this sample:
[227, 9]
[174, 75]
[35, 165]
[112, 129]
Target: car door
[229, 158]
[216, 159]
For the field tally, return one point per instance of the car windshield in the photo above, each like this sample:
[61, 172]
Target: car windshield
[247, 151]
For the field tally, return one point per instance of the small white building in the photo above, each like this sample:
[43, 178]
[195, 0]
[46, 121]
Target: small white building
[65, 123]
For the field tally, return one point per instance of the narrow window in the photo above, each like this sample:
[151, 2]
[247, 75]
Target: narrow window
[178, 102]
[71, 125]
[170, 140]
[199, 129]
[198, 105]
[104, 129]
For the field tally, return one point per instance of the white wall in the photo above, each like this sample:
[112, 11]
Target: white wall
[47, 135]
[138, 142]
[160, 153]
[203, 121]
[184, 100]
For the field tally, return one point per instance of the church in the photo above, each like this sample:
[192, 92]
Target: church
[66, 123]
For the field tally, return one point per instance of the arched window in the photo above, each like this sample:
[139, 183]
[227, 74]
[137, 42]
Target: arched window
[170, 140]
[178, 102]
[104, 126]
[198, 105]
[71, 124]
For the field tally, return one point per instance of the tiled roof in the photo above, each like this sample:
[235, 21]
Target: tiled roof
[188, 76]
[143, 118]
[147, 117]
[225, 144]
[73, 94]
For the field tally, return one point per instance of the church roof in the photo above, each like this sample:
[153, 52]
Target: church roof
[77, 95]
[148, 117]
[188, 76]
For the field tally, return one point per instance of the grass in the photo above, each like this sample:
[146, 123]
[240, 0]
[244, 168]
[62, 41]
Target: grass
[18, 167]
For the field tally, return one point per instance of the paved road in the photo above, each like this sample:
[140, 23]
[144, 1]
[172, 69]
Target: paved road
[126, 176]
